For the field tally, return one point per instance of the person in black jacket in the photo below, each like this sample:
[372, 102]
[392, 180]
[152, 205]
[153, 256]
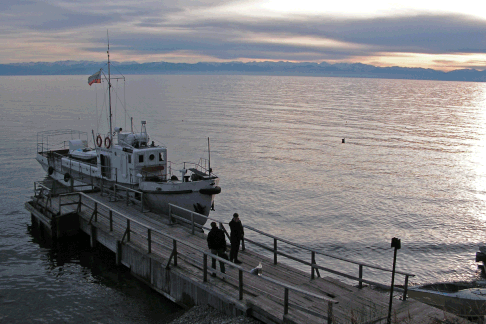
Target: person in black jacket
[235, 237]
[217, 245]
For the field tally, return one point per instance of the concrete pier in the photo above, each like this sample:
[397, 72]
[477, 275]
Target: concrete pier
[173, 259]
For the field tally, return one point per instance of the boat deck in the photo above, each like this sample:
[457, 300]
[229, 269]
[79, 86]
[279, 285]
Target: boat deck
[261, 297]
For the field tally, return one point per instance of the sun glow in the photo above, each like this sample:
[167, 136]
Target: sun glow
[443, 62]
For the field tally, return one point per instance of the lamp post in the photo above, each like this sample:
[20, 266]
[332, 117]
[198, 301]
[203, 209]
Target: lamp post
[395, 243]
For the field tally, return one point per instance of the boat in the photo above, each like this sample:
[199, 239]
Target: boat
[454, 298]
[128, 159]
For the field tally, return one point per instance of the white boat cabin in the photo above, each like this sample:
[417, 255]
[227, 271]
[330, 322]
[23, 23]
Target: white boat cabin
[132, 158]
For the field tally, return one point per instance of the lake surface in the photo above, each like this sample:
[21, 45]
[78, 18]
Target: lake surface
[413, 166]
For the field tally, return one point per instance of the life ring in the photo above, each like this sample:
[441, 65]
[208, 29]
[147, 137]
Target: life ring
[50, 170]
[67, 176]
[99, 141]
[107, 142]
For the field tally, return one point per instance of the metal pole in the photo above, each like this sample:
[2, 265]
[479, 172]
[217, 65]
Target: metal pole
[174, 244]
[240, 275]
[313, 261]
[405, 288]
[394, 244]
[170, 214]
[128, 230]
[205, 268]
[149, 238]
[274, 251]
[111, 220]
[329, 313]
[286, 301]
[360, 276]
[96, 212]
[192, 223]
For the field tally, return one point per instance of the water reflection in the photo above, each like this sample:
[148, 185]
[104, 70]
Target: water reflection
[81, 284]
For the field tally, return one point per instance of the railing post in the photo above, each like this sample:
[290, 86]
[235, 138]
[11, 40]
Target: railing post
[174, 244]
[360, 285]
[114, 190]
[192, 223]
[286, 301]
[313, 261]
[205, 268]
[274, 251]
[141, 200]
[149, 239]
[170, 214]
[96, 212]
[79, 202]
[329, 313]
[128, 230]
[405, 288]
[111, 220]
[127, 197]
[240, 277]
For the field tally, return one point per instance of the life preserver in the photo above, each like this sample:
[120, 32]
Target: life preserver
[99, 141]
[67, 176]
[50, 170]
[107, 142]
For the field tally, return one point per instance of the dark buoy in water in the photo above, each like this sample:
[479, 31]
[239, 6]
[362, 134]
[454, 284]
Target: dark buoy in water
[343, 141]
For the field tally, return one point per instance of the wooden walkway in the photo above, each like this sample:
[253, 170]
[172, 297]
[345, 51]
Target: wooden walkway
[282, 294]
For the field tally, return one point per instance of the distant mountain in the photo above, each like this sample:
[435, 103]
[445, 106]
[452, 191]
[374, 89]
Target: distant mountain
[251, 68]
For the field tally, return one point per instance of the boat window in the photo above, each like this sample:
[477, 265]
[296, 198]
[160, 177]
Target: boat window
[161, 157]
[151, 157]
[129, 159]
[140, 158]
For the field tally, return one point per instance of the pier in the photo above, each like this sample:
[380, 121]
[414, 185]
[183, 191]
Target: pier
[170, 254]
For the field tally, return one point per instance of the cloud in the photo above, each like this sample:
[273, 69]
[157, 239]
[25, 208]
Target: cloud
[153, 29]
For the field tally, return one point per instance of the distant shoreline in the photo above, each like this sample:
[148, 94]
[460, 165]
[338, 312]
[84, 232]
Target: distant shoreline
[323, 69]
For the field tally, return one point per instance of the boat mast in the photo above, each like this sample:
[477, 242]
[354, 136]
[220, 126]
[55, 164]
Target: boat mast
[109, 91]
[209, 156]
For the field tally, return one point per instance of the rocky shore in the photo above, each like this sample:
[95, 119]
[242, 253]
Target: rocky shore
[209, 315]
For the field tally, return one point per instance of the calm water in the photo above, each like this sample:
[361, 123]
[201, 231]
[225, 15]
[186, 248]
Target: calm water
[413, 167]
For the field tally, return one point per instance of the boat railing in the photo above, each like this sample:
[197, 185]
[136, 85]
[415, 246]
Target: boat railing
[147, 235]
[55, 139]
[202, 165]
[312, 263]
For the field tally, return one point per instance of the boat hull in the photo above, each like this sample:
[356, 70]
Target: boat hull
[194, 197]
[467, 302]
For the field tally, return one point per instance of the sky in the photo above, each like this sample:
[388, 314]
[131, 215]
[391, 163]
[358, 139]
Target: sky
[442, 35]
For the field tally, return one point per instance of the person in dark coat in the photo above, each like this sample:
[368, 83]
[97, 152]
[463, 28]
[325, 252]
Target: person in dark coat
[235, 237]
[217, 245]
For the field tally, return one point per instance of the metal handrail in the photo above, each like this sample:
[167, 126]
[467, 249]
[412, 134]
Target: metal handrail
[151, 230]
[127, 190]
[326, 254]
[312, 264]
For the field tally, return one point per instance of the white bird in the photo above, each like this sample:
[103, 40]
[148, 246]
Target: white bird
[257, 270]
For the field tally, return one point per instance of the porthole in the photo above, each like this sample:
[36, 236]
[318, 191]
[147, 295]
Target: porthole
[151, 157]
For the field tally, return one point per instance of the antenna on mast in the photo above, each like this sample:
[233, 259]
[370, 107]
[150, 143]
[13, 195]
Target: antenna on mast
[109, 87]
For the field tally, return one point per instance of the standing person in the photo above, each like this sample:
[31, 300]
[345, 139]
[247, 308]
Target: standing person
[235, 237]
[217, 245]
